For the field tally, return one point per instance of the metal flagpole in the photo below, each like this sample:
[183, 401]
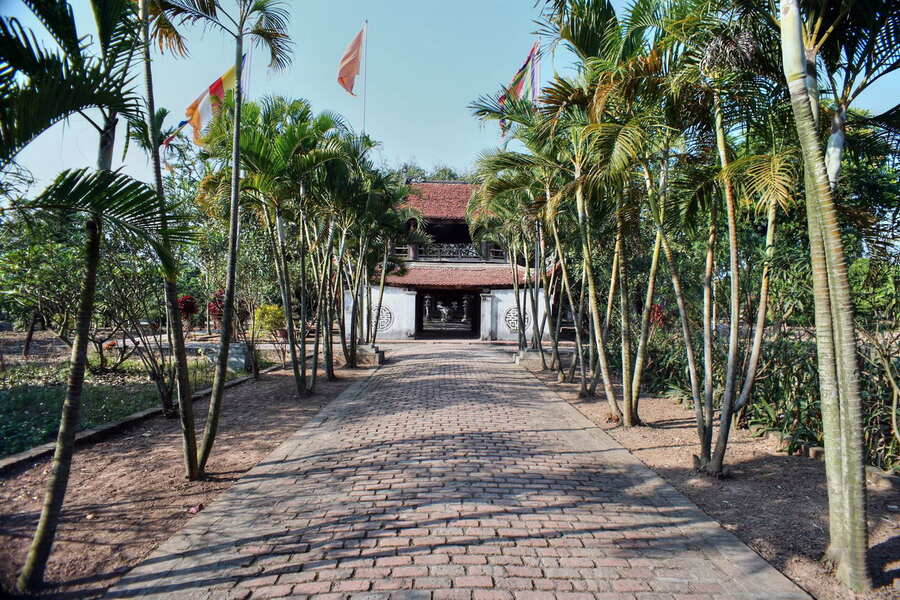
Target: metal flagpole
[365, 68]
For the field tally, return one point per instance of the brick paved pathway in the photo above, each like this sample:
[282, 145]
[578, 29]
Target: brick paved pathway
[454, 474]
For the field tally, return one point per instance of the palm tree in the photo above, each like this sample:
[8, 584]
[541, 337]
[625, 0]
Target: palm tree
[397, 225]
[56, 85]
[280, 150]
[61, 83]
[866, 43]
[167, 36]
[106, 198]
[263, 22]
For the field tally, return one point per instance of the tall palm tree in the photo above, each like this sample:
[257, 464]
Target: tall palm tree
[280, 150]
[866, 41]
[258, 21]
[152, 12]
[115, 200]
[56, 85]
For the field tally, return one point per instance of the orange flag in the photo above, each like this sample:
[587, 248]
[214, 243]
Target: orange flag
[348, 68]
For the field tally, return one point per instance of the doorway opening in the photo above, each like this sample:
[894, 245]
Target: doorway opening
[448, 314]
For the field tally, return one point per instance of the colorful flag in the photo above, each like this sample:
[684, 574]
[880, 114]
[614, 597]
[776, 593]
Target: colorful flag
[348, 68]
[168, 140]
[526, 83]
[207, 105]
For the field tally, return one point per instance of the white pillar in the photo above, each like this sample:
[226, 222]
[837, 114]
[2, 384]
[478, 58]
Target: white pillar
[487, 317]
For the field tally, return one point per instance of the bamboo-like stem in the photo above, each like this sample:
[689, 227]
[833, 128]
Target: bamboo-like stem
[762, 309]
[592, 294]
[576, 312]
[835, 337]
[221, 371]
[182, 374]
[731, 367]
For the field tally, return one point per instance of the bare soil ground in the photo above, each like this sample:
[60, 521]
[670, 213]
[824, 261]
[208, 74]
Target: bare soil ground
[127, 494]
[775, 503]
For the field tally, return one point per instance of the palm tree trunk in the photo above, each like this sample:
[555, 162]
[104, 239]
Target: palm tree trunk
[182, 374]
[629, 418]
[221, 372]
[548, 285]
[328, 338]
[320, 307]
[32, 575]
[536, 328]
[686, 334]
[381, 278]
[762, 309]
[613, 283]
[641, 354]
[567, 285]
[355, 312]
[731, 367]
[342, 317]
[706, 440]
[287, 304]
[303, 295]
[592, 296]
[835, 337]
[329, 302]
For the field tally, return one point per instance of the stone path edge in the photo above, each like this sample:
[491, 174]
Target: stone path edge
[304, 436]
[737, 558]
[16, 461]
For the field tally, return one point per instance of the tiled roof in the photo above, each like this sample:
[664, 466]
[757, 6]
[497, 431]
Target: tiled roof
[444, 200]
[455, 275]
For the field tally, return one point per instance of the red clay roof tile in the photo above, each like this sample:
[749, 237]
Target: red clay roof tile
[455, 276]
[441, 200]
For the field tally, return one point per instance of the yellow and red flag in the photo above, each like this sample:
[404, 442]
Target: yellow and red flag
[207, 105]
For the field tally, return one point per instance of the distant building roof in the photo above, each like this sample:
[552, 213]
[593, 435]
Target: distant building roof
[455, 275]
[441, 200]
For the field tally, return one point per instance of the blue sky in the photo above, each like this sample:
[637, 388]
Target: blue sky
[428, 60]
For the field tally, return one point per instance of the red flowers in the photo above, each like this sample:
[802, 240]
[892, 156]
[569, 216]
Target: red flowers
[187, 306]
[217, 305]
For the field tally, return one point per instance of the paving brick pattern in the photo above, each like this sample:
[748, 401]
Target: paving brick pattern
[452, 474]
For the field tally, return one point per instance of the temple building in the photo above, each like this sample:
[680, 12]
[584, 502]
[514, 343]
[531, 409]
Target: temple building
[453, 287]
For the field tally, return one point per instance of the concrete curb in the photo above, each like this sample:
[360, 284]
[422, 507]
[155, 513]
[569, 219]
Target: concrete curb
[15, 461]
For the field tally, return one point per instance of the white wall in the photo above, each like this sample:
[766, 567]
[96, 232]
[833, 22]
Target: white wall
[399, 308]
[498, 320]
[498, 315]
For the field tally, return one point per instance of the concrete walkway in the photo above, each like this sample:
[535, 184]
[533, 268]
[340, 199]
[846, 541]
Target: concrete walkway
[452, 473]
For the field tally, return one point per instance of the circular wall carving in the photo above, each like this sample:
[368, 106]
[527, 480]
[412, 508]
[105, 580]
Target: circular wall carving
[511, 318]
[385, 318]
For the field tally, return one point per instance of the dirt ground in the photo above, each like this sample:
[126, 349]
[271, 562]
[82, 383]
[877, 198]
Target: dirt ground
[775, 503]
[127, 494]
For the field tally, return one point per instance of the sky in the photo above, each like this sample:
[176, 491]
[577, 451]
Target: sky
[428, 60]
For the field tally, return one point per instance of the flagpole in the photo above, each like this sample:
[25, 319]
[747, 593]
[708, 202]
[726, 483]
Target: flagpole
[365, 69]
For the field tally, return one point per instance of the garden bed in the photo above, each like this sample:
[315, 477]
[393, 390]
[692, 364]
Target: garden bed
[775, 503]
[31, 397]
[127, 493]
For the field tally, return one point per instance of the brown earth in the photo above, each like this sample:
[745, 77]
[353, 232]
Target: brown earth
[775, 503]
[127, 494]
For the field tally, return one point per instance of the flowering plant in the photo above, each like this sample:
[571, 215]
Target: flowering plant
[187, 306]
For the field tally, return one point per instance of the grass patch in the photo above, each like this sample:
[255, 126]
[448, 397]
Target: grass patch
[31, 399]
